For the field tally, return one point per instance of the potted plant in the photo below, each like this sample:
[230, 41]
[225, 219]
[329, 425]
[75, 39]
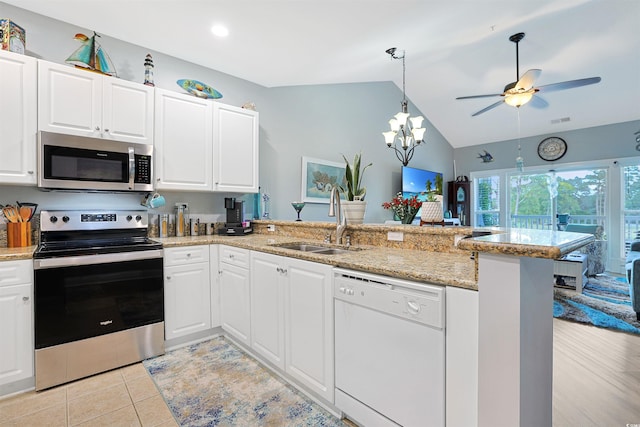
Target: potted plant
[431, 210]
[354, 206]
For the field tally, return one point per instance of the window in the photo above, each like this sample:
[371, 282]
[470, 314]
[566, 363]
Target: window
[631, 204]
[487, 209]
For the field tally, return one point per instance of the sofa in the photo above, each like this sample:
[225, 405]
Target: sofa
[596, 251]
[632, 266]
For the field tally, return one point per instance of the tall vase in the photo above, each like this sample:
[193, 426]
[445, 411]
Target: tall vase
[408, 219]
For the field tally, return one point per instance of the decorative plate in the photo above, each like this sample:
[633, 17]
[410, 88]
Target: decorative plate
[199, 89]
[552, 148]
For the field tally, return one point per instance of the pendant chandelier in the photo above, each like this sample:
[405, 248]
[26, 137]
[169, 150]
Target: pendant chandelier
[406, 132]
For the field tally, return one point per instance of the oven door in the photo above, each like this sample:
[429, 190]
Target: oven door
[87, 296]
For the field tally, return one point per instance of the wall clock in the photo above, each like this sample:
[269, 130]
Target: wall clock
[552, 148]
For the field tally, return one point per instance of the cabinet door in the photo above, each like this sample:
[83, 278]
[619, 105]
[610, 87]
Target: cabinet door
[309, 326]
[187, 299]
[16, 333]
[69, 100]
[18, 118]
[127, 113]
[267, 311]
[235, 300]
[215, 285]
[236, 149]
[183, 142]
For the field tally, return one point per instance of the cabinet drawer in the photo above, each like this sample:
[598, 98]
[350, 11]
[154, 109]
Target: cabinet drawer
[234, 256]
[186, 255]
[16, 272]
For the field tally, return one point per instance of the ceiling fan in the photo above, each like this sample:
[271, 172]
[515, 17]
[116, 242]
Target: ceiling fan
[522, 91]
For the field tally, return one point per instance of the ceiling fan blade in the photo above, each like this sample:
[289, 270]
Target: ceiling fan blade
[537, 102]
[528, 79]
[570, 84]
[490, 107]
[479, 96]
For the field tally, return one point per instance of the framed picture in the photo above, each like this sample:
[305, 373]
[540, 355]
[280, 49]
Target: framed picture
[319, 177]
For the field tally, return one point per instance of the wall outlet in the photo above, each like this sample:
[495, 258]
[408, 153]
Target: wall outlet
[397, 236]
[271, 227]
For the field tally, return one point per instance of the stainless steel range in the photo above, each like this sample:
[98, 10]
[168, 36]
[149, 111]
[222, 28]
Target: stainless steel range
[99, 294]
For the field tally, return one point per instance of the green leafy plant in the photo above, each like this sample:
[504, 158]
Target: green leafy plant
[353, 176]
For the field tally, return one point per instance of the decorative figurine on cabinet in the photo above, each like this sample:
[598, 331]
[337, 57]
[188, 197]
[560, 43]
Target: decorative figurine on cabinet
[148, 70]
[91, 56]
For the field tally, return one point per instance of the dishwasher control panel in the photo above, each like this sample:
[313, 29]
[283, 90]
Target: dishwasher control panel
[417, 302]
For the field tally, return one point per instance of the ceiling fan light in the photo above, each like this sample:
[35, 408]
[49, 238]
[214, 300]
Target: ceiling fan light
[518, 99]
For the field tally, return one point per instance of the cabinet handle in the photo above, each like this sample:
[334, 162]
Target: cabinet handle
[278, 269]
[97, 127]
[158, 179]
[231, 256]
[106, 130]
[168, 277]
[188, 255]
[25, 299]
[30, 172]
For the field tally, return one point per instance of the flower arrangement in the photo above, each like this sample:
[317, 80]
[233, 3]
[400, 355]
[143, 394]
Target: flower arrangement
[405, 209]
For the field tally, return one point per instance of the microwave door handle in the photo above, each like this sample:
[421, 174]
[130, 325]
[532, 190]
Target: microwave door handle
[132, 167]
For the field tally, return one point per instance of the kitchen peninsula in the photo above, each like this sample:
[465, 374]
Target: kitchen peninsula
[499, 297]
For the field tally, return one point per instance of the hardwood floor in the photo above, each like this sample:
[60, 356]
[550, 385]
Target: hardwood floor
[596, 383]
[596, 376]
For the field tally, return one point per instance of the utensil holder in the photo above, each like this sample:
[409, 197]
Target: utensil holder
[18, 234]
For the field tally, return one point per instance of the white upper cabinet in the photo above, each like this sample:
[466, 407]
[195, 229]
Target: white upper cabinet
[80, 102]
[18, 118]
[236, 149]
[183, 142]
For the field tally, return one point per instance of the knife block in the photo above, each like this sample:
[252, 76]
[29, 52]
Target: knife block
[18, 234]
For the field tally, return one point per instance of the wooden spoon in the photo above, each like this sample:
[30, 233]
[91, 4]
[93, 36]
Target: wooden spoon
[11, 214]
[25, 213]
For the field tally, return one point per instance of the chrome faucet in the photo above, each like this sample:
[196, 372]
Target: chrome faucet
[334, 210]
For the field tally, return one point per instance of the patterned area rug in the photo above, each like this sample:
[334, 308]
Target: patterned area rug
[604, 303]
[213, 383]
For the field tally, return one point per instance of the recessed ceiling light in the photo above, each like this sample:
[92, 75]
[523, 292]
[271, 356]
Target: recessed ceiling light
[219, 30]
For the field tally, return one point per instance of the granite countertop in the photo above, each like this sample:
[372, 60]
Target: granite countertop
[12, 254]
[528, 243]
[422, 266]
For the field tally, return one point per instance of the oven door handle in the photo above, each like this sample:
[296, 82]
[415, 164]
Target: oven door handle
[132, 167]
[40, 264]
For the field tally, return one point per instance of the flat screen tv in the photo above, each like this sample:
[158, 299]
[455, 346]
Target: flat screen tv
[421, 182]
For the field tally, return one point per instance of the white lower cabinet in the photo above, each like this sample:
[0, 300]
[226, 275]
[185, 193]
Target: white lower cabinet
[235, 293]
[267, 307]
[187, 291]
[16, 321]
[303, 290]
[215, 285]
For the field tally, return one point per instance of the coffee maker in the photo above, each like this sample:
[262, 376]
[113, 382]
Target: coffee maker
[235, 224]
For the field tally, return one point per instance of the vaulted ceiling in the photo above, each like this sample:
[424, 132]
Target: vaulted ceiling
[453, 48]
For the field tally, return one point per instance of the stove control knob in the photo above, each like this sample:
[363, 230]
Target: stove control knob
[138, 218]
[53, 219]
[65, 219]
[129, 217]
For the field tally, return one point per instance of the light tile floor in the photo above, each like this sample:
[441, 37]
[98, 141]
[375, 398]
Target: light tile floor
[122, 397]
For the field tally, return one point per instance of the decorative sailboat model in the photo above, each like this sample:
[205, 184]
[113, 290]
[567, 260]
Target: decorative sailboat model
[91, 56]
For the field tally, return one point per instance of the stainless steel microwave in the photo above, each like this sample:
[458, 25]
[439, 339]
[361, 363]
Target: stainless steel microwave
[82, 163]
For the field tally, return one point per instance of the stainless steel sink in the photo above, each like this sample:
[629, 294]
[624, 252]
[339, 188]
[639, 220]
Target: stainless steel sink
[304, 247]
[331, 251]
[316, 249]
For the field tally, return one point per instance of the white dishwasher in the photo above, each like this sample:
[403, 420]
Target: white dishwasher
[389, 350]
